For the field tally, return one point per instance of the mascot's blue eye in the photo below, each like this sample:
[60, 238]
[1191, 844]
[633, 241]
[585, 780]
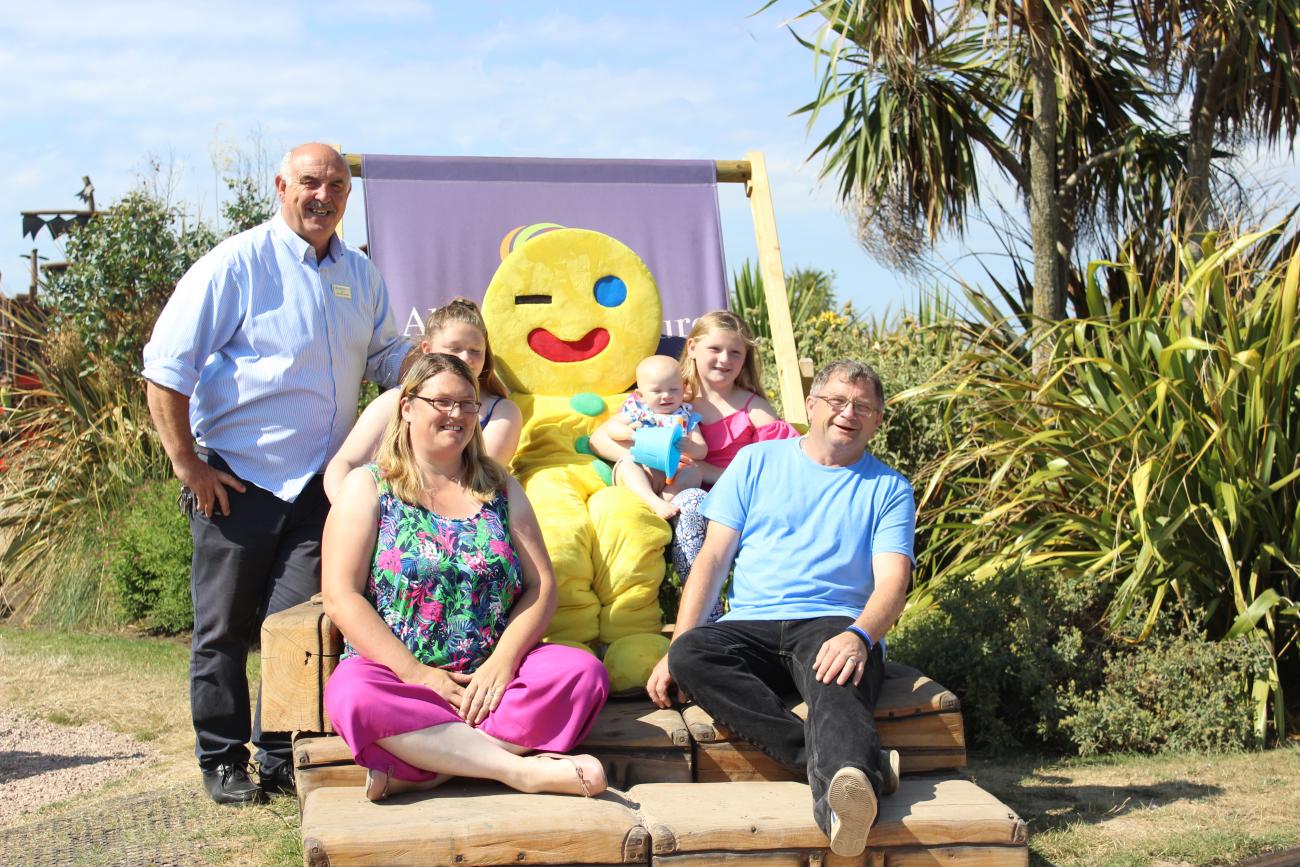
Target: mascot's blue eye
[610, 291]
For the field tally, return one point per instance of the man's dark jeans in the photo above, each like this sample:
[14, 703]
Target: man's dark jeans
[738, 670]
[262, 558]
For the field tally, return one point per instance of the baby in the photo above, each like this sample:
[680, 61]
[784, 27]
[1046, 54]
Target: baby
[656, 402]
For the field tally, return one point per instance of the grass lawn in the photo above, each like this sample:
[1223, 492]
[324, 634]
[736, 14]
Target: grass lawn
[1170, 810]
[137, 686]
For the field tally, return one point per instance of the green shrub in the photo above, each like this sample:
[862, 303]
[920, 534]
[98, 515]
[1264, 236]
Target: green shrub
[150, 561]
[82, 440]
[122, 268]
[1159, 451]
[80, 446]
[1180, 693]
[1013, 648]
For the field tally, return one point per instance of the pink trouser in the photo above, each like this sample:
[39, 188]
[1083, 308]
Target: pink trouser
[550, 705]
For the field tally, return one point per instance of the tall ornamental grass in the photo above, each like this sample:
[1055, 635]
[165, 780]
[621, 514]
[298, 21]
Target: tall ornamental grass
[79, 442]
[1160, 452]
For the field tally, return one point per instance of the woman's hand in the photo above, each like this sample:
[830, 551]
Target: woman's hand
[447, 684]
[485, 688]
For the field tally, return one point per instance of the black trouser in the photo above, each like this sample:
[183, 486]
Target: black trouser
[262, 558]
[738, 670]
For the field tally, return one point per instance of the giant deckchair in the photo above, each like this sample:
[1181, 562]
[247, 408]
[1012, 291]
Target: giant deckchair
[692, 793]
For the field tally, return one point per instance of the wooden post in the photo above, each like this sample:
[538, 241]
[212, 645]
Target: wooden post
[36, 270]
[773, 273]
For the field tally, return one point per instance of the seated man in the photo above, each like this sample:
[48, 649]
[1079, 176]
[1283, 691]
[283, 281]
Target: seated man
[821, 536]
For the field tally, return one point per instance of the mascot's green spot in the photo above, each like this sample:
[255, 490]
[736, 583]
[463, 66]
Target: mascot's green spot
[582, 445]
[602, 469]
[587, 403]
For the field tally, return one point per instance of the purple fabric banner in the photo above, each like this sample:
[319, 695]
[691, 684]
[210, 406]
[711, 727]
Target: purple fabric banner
[435, 224]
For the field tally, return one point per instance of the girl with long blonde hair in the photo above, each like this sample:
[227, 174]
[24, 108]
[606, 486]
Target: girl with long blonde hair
[456, 328]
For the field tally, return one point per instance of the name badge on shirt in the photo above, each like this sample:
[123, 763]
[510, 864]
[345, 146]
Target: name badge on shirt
[342, 290]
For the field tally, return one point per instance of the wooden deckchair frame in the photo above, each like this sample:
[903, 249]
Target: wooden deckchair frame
[752, 172]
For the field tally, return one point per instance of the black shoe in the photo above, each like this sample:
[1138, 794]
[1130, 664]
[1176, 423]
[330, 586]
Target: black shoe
[229, 784]
[278, 781]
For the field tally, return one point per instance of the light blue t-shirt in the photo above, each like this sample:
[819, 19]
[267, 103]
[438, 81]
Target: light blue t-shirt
[271, 346]
[807, 531]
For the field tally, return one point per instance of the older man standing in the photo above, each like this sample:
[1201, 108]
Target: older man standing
[821, 536]
[253, 373]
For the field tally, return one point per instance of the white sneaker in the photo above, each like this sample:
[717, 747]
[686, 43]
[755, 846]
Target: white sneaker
[853, 811]
[890, 765]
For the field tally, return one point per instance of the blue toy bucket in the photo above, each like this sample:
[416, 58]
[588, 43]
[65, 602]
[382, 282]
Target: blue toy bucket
[656, 447]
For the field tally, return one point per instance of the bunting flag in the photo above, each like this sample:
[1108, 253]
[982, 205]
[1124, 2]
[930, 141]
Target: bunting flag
[439, 226]
[58, 225]
[31, 225]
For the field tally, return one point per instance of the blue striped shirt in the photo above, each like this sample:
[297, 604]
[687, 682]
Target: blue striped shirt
[271, 348]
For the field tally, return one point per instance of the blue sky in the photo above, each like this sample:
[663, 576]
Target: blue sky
[103, 88]
[100, 88]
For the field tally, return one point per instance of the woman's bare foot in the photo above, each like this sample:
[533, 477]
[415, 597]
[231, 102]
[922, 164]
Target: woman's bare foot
[385, 785]
[570, 775]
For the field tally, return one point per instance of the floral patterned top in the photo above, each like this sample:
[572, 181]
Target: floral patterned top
[634, 410]
[445, 586]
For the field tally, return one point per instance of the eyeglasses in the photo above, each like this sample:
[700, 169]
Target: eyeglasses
[446, 404]
[839, 404]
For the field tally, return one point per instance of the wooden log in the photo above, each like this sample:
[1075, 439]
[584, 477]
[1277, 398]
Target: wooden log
[309, 752]
[635, 741]
[626, 723]
[775, 819]
[962, 856]
[914, 715]
[300, 649]
[469, 823]
[640, 743]
[929, 821]
[741, 762]
[310, 779]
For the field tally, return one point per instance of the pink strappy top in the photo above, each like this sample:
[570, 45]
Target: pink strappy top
[730, 434]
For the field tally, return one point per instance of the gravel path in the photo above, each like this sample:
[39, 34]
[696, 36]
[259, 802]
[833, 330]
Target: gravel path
[42, 762]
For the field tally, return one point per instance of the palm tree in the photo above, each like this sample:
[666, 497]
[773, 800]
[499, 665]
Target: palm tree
[1240, 60]
[922, 91]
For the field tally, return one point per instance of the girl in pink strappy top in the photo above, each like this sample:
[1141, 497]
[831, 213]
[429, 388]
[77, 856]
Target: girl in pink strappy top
[722, 379]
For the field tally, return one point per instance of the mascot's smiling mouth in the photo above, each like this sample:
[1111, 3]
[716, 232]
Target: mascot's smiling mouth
[552, 348]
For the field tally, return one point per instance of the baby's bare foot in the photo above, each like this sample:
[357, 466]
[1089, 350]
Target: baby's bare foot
[664, 510]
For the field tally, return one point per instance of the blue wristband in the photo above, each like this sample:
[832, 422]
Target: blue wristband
[861, 633]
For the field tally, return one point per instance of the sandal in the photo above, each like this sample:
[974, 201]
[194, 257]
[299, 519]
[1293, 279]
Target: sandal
[375, 791]
[591, 773]
[380, 787]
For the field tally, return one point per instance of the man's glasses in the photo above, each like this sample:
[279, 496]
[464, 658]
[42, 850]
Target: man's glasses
[446, 404]
[838, 405]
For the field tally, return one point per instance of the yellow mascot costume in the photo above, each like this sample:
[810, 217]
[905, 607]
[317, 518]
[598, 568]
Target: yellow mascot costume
[571, 312]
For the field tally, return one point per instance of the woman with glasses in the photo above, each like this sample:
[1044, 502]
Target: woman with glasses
[435, 571]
